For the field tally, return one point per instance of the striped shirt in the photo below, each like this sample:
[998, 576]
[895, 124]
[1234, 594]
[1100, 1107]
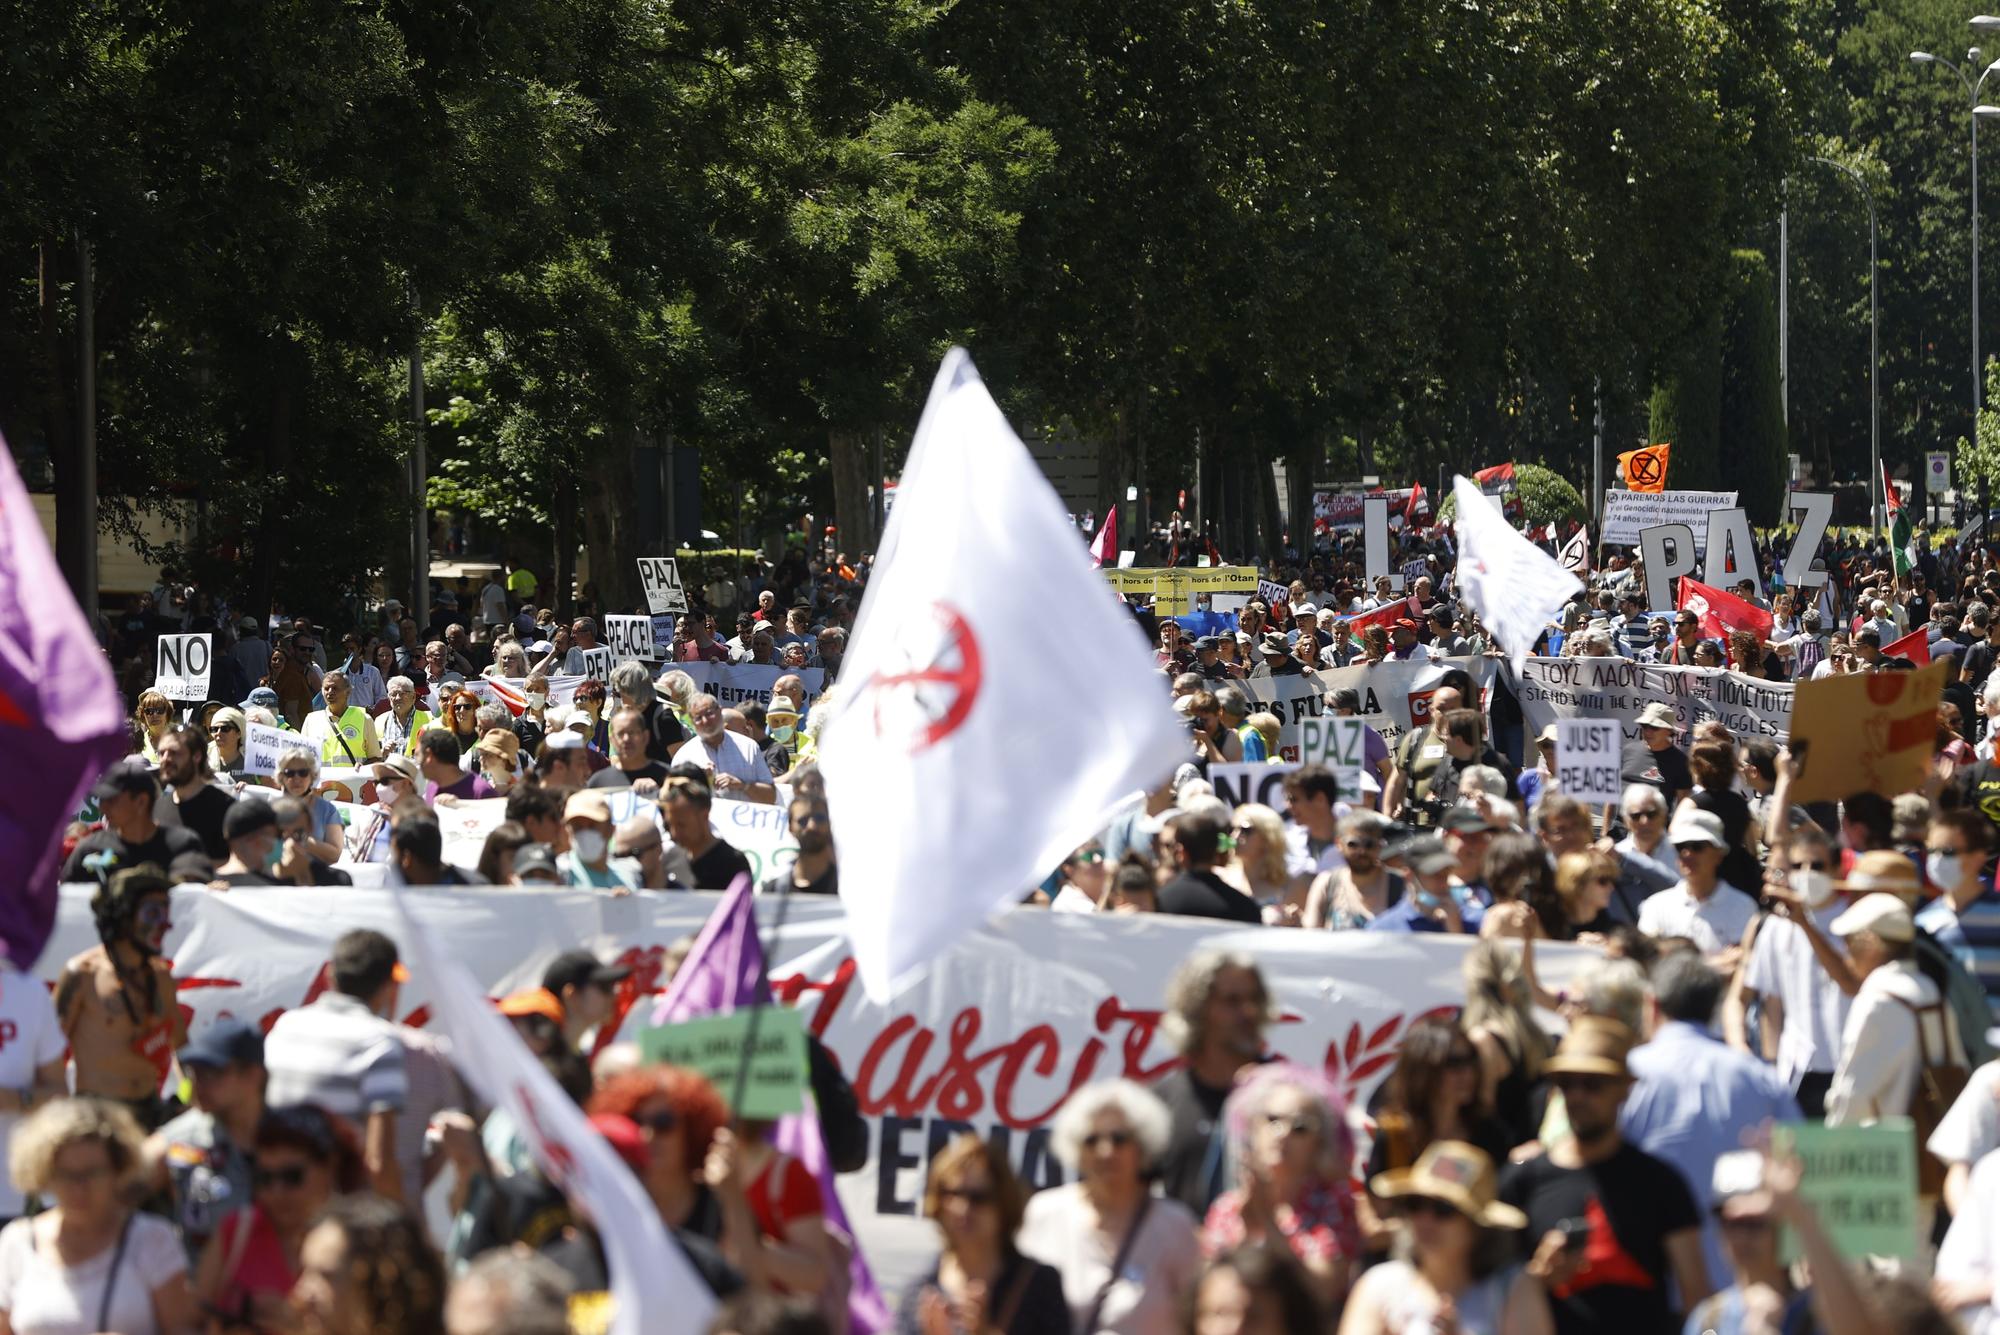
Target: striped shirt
[1972, 935]
[338, 1054]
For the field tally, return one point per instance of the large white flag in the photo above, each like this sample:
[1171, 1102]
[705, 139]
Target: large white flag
[959, 768]
[653, 1288]
[1515, 586]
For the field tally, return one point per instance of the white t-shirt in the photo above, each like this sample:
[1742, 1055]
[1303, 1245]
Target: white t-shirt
[1712, 924]
[732, 754]
[1971, 1130]
[30, 1036]
[42, 1296]
[1782, 966]
[493, 603]
[1971, 1247]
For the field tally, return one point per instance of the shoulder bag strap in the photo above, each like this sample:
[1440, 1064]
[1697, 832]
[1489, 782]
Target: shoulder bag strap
[111, 1278]
[1016, 1293]
[1089, 1326]
[341, 737]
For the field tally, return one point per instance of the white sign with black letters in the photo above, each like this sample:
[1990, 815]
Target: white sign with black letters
[1340, 744]
[629, 637]
[597, 664]
[1587, 759]
[263, 744]
[661, 578]
[182, 665]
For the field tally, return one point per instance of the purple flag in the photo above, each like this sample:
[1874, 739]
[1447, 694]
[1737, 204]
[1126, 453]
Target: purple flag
[724, 970]
[61, 720]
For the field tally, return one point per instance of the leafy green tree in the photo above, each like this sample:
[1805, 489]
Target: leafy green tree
[1752, 418]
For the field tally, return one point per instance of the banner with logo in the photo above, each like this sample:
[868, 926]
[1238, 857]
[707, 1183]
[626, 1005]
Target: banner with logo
[1025, 1010]
[733, 684]
[1626, 512]
[1618, 689]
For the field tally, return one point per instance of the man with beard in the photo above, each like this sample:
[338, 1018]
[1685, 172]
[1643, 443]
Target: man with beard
[814, 873]
[115, 1001]
[184, 766]
[1641, 1225]
[1217, 1010]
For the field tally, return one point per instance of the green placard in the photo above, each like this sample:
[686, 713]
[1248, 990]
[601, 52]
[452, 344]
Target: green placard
[1862, 1181]
[713, 1045]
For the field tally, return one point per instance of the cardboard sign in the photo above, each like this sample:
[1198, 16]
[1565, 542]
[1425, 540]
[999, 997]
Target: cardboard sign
[660, 576]
[181, 667]
[715, 1046]
[629, 637]
[1627, 512]
[1251, 781]
[1340, 744]
[1588, 759]
[1375, 543]
[1862, 1183]
[597, 664]
[1871, 732]
[1273, 592]
[263, 744]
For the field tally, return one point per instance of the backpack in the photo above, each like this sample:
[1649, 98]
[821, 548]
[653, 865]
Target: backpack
[1941, 1077]
[1962, 992]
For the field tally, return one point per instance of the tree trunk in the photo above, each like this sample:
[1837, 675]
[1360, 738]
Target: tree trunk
[847, 453]
[561, 593]
[610, 523]
[58, 415]
[277, 516]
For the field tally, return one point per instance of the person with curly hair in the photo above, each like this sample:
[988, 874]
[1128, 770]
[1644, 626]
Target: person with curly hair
[116, 1001]
[1293, 1154]
[365, 1268]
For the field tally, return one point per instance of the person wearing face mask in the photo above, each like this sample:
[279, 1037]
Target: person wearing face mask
[498, 754]
[1965, 917]
[756, 726]
[1803, 1008]
[396, 777]
[587, 817]
[814, 872]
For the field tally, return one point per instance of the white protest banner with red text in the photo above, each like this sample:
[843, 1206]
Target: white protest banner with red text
[1024, 1010]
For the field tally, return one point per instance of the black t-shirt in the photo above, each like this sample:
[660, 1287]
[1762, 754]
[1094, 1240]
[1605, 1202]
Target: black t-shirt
[168, 842]
[1192, 1170]
[667, 732]
[203, 814]
[826, 883]
[1668, 771]
[1633, 1203]
[1739, 868]
[720, 865]
[1977, 663]
[1982, 791]
[613, 777]
[1203, 894]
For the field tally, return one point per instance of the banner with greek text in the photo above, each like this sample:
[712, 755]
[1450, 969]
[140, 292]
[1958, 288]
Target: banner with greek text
[1618, 689]
[1025, 1010]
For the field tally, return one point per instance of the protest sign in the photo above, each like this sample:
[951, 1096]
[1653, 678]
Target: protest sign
[1027, 1009]
[1251, 781]
[1815, 511]
[1340, 745]
[597, 664]
[1184, 581]
[732, 684]
[1627, 512]
[629, 637]
[1550, 689]
[1587, 760]
[1341, 510]
[1874, 732]
[1273, 592]
[181, 667]
[263, 744]
[1394, 696]
[1375, 543]
[1860, 1180]
[714, 1046]
[1415, 569]
[660, 576]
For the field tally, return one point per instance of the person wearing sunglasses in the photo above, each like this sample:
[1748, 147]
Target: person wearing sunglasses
[1081, 880]
[1128, 1258]
[1288, 1138]
[153, 714]
[303, 1158]
[1455, 1276]
[1351, 897]
[980, 1282]
[298, 779]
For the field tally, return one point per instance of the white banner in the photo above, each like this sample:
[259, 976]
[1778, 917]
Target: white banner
[513, 692]
[734, 683]
[1626, 512]
[181, 667]
[1394, 696]
[1026, 1009]
[630, 637]
[1618, 689]
[661, 578]
[1251, 781]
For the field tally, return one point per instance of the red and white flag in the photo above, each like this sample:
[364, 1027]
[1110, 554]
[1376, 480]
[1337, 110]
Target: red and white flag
[1721, 612]
[1417, 507]
[954, 775]
[1916, 646]
[1105, 548]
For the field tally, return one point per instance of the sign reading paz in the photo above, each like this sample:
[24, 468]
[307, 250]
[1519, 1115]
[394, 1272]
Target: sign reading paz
[714, 1046]
[181, 667]
[629, 637]
[661, 578]
[1341, 745]
[1588, 759]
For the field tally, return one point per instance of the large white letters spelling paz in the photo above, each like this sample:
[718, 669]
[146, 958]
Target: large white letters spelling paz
[942, 799]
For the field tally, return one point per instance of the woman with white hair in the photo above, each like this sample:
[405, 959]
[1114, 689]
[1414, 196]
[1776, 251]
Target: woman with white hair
[1293, 1152]
[1127, 1257]
[633, 685]
[298, 777]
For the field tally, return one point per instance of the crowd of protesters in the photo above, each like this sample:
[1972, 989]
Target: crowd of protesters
[1590, 1157]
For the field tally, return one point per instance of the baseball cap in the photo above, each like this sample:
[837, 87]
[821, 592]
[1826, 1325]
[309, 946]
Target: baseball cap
[127, 776]
[565, 739]
[1465, 820]
[1427, 855]
[588, 803]
[1208, 642]
[575, 968]
[535, 860]
[1881, 913]
[1696, 827]
[532, 1001]
[227, 1042]
[246, 817]
[263, 697]
[248, 625]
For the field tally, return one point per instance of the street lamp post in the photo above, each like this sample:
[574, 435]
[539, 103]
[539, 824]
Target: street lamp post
[1874, 349]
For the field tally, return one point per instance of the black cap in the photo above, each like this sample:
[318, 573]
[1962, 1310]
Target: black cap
[1207, 642]
[575, 968]
[535, 858]
[227, 1042]
[127, 776]
[247, 816]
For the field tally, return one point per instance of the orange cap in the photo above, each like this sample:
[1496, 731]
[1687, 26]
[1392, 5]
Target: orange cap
[534, 1001]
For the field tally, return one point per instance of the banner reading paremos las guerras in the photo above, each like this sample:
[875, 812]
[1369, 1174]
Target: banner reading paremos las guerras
[1395, 697]
[1618, 688]
[1024, 1011]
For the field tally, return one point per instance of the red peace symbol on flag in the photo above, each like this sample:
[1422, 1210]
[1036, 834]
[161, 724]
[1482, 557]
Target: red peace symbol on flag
[931, 682]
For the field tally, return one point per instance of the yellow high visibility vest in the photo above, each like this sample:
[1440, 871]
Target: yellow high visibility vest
[419, 720]
[347, 728]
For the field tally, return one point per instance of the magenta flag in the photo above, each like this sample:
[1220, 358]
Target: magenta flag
[61, 721]
[724, 970]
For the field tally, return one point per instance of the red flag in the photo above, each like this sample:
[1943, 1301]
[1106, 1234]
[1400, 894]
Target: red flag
[1105, 549]
[1388, 615]
[1916, 646]
[1498, 473]
[1721, 612]
[1416, 505]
